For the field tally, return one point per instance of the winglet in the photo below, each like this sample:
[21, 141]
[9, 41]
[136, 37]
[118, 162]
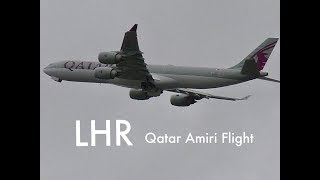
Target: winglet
[134, 27]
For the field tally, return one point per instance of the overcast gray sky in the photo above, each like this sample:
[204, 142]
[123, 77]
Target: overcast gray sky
[192, 33]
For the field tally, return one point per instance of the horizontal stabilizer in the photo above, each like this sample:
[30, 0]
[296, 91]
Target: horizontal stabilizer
[269, 79]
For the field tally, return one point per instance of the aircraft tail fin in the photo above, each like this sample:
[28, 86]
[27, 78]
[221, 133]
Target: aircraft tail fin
[257, 59]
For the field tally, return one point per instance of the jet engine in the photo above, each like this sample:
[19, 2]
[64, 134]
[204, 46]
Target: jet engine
[109, 57]
[138, 94]
[182, 100]
[105, 73]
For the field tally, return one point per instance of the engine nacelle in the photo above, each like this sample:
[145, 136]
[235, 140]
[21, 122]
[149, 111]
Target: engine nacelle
[105, 73]
[109, 57]
[138, 94]
[181, 100]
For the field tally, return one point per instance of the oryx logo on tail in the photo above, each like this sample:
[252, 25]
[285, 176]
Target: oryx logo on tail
[261, 57]
[257, 59]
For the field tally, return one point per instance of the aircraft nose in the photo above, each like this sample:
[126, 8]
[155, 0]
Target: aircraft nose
[46, 70]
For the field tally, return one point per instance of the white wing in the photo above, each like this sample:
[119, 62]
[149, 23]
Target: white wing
[199, 95]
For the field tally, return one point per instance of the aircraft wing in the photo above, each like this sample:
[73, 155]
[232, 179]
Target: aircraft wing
[200, 95]
[133, 67]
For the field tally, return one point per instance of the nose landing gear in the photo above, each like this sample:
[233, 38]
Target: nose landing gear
[56, 79]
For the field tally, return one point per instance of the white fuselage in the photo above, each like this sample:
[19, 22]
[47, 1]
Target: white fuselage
[165, 76]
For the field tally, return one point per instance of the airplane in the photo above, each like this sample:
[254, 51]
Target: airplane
[127, 68]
